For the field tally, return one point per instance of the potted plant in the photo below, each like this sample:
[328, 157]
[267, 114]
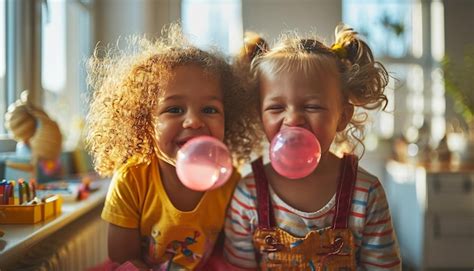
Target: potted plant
[459, 84]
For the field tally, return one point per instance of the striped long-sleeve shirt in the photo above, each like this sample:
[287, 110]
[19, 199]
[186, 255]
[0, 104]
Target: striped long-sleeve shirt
[370, 222]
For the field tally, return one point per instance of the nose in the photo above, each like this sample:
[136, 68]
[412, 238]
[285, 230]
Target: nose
[294, 118]
[192, 121]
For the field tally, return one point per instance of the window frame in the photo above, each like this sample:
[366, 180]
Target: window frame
[23, 48]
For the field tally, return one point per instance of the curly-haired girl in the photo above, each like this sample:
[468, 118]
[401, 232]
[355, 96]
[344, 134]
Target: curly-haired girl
[149, 99]
[337, 218]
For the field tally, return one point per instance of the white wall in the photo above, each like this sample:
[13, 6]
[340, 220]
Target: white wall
[115, 18]
[270, 17]
[459, 27]
[459, 35]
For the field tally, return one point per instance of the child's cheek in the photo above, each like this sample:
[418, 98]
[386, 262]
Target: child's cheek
[271, 127]
[160, 127]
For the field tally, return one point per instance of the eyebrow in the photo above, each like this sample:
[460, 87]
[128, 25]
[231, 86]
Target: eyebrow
[311, 97]
[181, 97]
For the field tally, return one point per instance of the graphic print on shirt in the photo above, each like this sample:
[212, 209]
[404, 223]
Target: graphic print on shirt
[179, 247]
[151, 254]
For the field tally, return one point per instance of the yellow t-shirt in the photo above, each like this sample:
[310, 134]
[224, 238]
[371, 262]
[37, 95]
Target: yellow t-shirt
[137, 199]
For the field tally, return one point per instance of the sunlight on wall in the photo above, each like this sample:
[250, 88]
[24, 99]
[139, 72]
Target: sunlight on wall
[2, 39]
[438, 99]
[213, 23]
[53, 64]
[438, 107]
[415, 99]
[3, 97]
[437, 30]
[417, 32]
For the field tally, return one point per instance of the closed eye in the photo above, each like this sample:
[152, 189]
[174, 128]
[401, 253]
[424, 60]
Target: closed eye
[313, 107]
[275, 108]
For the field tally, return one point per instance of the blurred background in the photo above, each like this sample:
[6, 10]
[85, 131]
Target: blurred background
[422, 147]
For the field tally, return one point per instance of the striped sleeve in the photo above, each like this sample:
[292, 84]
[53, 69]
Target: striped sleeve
[238, 248]
[379, 248]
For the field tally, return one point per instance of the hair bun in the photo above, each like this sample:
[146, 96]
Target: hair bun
[352, 49]
[254, 45]
[347, 39]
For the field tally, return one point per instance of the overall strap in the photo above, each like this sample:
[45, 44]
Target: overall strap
[345, 190]
[266, 219]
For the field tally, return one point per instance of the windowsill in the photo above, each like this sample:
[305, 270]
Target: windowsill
[19, 238]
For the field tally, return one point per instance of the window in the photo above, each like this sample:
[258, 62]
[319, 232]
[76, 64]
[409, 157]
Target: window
[47, 44]
[391, 27]
[3, 54]
[66, 38]
[53, 64]
[400, 35]
[213, 23]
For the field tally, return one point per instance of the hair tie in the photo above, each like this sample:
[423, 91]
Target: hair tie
[340, 51]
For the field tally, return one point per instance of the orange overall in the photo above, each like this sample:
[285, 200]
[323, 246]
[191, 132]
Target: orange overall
[328, 249]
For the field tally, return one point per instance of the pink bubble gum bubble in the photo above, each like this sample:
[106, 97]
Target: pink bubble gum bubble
[295, 152]
[203, 163]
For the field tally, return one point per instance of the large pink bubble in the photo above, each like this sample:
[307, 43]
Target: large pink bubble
[295, 152]
[203, 163]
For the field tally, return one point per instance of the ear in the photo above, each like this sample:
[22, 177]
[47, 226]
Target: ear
[346, 116]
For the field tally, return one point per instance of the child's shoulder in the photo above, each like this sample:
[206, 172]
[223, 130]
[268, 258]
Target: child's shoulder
[137, 162]
[134, 176]
[366, 179]
[368, 182]
[135, 166]
[246, 186]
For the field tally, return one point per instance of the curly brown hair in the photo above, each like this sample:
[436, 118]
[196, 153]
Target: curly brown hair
[127, 84]
[362, 79]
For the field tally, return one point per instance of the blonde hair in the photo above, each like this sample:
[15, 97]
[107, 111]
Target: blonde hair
[127, 84]
[362, 79]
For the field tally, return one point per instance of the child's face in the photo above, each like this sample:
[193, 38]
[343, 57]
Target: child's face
[191, 105]
[292, 99]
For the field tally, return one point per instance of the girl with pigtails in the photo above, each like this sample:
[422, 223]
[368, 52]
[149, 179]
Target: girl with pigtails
[337, 217]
